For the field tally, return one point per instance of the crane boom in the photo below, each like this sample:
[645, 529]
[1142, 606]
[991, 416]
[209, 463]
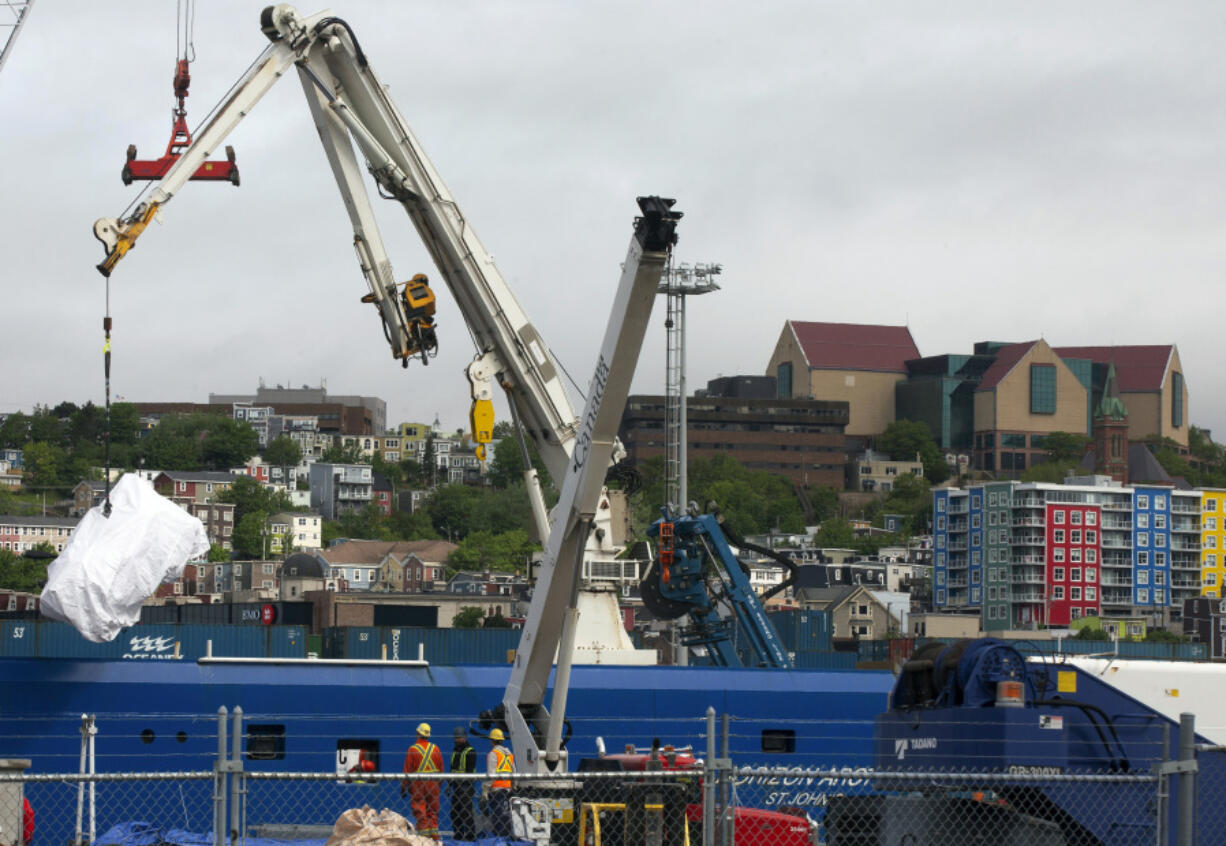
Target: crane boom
[350, 107]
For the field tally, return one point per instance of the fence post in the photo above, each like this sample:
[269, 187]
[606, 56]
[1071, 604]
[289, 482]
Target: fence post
[726, 829]
[238, 834]
[1185, 834]
[708, 784]
[219, 781]
[1164, 789]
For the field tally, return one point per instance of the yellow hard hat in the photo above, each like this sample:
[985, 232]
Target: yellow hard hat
[423, 729]
[497, 734]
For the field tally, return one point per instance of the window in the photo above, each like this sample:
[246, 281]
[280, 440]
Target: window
[1091, 518]
[1075, 593]
[1074, 517]
[1142, 577]
[265, 742]
[1211, 579]
[1075, 536]
[1075, 612]
[941, 504]
[783, 380]
[976, 501]
[1091, 536]
[1142, 596]
[1074, 574]
[1091, 594]
[975, 524]
[1057, 516]
[1057, 592]
[1091, 574]
[1159, 559]
[370, 575]
[1211, 523]
[1142, 501]
[1210, 505]
[1143, 558]
[1091, 555]
[1043, 389]
[1074, 554]
[1211, 559]
[779, 740]
[1159, 539]
[1058, 574]
[1177, 399]
[1159, 597]
[1159, 521]
[1057, 554]
[940, 524]
[1057, 536]
[1211, 542]
[1160, 502]
[1142, 521]
[991, 498]
[1142, 538]
[1159, 577]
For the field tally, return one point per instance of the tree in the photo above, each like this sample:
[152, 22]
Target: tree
[836, 533]
[228, 443]
[344, 454]
[249, 496]
[413, 525]
[468, 617]
[218, 553]
[367, 524]
[414, 474]
[249, 535]
[507, 466]
[43, 462]
[15, 431]
[22, 572]
[903, 439]
[283, 452]
[1089, 633]
[1065, 446]
[484, 550]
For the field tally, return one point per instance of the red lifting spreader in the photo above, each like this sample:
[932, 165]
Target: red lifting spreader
[180, 138]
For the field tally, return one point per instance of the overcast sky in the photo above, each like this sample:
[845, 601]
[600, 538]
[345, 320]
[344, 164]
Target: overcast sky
[976, 171]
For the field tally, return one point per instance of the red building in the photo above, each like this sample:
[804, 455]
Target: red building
[1074, 553]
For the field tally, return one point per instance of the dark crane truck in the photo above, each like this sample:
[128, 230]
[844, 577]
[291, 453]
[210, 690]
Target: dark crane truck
[1006, 732]
[350, 107]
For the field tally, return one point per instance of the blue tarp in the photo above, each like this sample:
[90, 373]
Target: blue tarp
[148, 834]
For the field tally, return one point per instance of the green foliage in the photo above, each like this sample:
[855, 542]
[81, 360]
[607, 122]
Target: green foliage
[198, 442]
[456, 511]
[15, 431]
[249, 497]
[1163, 636]
[344, 454]
[1088, 633]
[911, 497]
[836, 533]
[903, 439]
[249, 535]
[485, 550]
[1049, 471]
[507, 467]
[824, 501]
[496, 621]
[415, 474]
[366, 524]
[752, 501]
[218, 553]
[283, 452]
[415, 525]
[389, 471]
[43, 463]
[228, 443]
[1066, 447]
[468, 617]
[20, 572]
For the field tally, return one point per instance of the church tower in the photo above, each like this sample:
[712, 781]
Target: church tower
[1111, 431]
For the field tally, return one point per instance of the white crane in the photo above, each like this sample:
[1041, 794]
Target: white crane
[12, 19]
[350, 106]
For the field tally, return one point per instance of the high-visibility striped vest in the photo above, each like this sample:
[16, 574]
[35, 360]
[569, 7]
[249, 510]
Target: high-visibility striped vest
[504, 763]
[427, 759]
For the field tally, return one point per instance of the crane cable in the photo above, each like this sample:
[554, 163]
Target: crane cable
[185, 24]
[106, 367]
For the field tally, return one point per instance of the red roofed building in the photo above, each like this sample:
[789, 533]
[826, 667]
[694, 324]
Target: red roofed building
[1026, 394]
[854, 363]
[1150, 381]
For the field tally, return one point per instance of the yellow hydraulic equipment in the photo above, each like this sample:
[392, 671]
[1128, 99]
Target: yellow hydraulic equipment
[418, 302]
[589, 835]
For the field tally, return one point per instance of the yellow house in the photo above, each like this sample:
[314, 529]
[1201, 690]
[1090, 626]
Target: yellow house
[1212, 541]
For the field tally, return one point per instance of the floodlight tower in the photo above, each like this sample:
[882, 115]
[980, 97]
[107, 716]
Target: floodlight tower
[677, 283]
[13, 14]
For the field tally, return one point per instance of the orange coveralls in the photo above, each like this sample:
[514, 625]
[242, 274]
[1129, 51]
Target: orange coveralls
[423, 757]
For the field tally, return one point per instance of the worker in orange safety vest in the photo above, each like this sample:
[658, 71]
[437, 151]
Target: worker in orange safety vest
[423, 757]
[500, 763]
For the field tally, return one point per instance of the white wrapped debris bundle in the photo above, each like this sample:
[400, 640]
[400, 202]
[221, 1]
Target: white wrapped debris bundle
[112, 564]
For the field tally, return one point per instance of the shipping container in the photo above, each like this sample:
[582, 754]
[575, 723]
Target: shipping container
[159, 614]
[411, 616]
[901, 648]
[824, 660]
[802, 630]
[452, 646]
[18, 638]
[353, 642]
[287, 641]
[216, 614]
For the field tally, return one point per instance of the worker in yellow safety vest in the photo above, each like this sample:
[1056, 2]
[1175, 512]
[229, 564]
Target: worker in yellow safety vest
[499, 763]
[423, 757]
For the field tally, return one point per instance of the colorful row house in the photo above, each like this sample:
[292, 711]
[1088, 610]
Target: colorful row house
[1029, 554]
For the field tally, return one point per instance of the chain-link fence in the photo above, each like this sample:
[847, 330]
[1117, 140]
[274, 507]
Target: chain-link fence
[626, 798]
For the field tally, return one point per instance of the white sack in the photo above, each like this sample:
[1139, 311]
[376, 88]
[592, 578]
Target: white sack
[112, 564]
